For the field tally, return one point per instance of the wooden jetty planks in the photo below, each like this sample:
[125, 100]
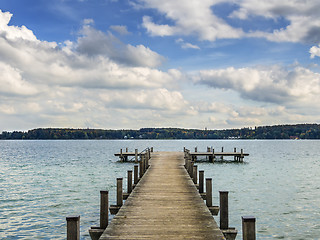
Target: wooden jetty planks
[165, 204]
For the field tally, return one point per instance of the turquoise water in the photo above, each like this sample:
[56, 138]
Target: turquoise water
[42, 182]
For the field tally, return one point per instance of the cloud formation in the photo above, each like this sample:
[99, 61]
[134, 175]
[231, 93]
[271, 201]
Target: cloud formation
[71, 80]
[190, 18]
[197, 18]
[272, 85]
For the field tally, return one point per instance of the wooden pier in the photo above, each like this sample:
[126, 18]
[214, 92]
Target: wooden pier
[165, 204]
[164, 200]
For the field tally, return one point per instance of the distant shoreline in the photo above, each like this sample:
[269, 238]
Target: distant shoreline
[296, 131]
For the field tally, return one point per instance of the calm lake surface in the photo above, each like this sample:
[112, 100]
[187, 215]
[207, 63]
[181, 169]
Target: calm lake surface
[42, 182]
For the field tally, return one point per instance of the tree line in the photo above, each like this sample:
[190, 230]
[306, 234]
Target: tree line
[297, 131]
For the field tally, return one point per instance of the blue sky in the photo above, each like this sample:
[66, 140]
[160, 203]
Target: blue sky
[212, 64]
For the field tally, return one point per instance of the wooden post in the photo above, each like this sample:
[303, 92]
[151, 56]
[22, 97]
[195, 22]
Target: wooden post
[119, 192]
[241, 157]
[191, 169]
[104, 206]
[235, 150]
[73, 227]
[221, 151]
[136, 155]
[135, 176]
[196, 149]
[121, 156]
[141, 166]
[248, 228]
[151, 149]
[201, 181]
[147, 160]
[126, 149]
[195, 174]
[209, 192]
[224, 214]
[129, 183]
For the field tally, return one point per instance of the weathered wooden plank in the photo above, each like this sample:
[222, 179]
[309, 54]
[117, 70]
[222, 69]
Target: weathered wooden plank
[165, 204]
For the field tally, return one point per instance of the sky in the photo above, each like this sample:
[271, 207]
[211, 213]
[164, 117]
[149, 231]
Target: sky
[129, 64]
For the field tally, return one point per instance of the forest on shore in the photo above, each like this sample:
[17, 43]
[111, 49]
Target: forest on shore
[297, 131]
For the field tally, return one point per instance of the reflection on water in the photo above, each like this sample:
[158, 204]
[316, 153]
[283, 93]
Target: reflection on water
[42, 182]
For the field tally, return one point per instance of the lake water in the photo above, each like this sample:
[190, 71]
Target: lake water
[42, 182]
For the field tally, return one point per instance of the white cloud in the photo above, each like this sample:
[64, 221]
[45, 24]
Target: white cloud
[315, 51]
[14, 32]
[93, 42]
[302, 16]
[197, 18]
[186, 45]
[12, 83]
[51, 85]
[120, 29]
[273, 84]
[190, 18]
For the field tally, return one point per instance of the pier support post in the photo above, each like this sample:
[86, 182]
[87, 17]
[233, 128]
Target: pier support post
[135, 175]
[221, 156]
[241, 157]
[229, 233]
[235, 150]
[119, 192]
[104, 205]
[73, 227]
[248, 228]
[129, 185]
[141, 166]
[151, 149]
[96, 232]
[209, 192]
[213, 209]
[224, 214]
[195, 174]
[121, 156]
[136, 155]
[201, 180]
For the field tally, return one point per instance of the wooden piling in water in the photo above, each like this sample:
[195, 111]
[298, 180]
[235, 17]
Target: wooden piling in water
[229, 233]
[224, 214]
[209, 192]
[104, 205]
[135, 174]
[248, 228]
[73, 227]
[119, 192]
[195, 174]
[136, 155]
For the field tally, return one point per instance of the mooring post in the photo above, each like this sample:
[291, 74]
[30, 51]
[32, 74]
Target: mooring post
[129, 183]
[126, 149]
[209, 192]
[224, 214]
[121, 155]
[235, 150]
[195, 174]
[201, 180]
[222, 155]
[119, 192]
[136, 155]
[151, 149]
[196, 149]
[104, 206]
[73, 227]
[241, 157]
[191, 169]
[135, 175]
[248, 228]
[147, 160]
[140, 167]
